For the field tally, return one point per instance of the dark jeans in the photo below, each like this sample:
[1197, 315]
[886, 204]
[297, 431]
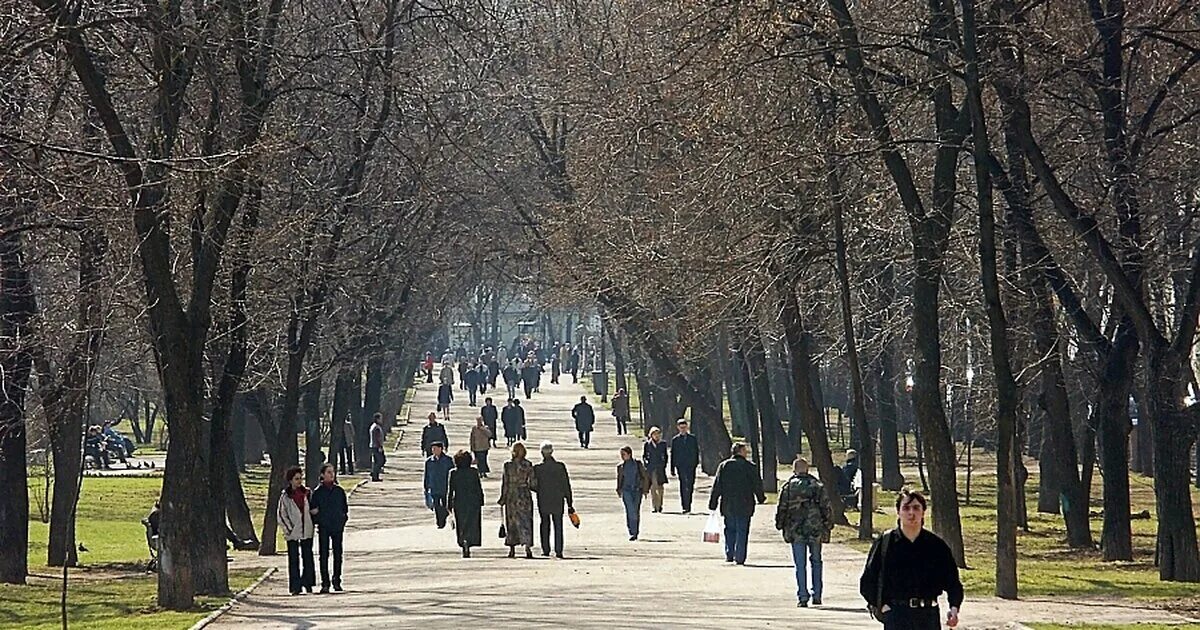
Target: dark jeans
[633, 509]
[324, 539]
[905, 618]
[512, 390]
[622, 425]
[557, 520]
[344, 459]
[528, 390]
[574, 376]
[687, 484]
[297, 551]
[378, 459]
[481, 462]
[440, 510]
[737, 534]
[472, 392]
[585, 438]
[429, 375]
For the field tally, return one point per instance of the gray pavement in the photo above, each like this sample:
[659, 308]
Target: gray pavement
[402, 572]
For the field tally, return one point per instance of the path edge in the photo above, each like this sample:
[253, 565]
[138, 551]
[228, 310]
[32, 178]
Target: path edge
[227, 606]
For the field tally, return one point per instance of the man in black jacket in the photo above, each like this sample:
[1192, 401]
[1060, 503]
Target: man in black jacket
[328, 501]
[433, 432]
[553, 487]
[585, 421]
[736, 487]
[685, 457]
[489, 414]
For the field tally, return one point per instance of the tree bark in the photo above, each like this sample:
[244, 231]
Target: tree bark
[17, 308]
[768, 419]
[310, 415]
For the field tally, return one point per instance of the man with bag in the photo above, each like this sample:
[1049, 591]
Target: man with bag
[806, 518]
[735, 489]
[553, 487]
[907, 569]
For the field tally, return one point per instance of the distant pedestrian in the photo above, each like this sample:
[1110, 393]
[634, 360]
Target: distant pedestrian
[620, 410]
[805, 518]
[378, 457]
[462, 371]
[447, 374]
[511, 378]
[553, 487]
[331, 511]
[632, 484]
[437, 479]
[296, 521]
[654, 456]
[427, 365]
[585, 421]
[490, 416]
[907, 569]
[445, 397]
[530, 371]
[511, 418]
[481, 441]
[685, 457]
[502, 355]
[345, 455]
[465, 501]
[735, 489]
[573, 365]
[520, 414]
[432, 432]
[516, 495]
[473, 379]
[848, 480]
[554, 368]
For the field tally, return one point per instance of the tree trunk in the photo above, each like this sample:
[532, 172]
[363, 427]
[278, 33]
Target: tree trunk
[889, 442]
[310, 415]
[811, 415]
[761, 385]
[1177, 554]
[614, 338]
[17, 307]
[1112, 411]
[373, 392]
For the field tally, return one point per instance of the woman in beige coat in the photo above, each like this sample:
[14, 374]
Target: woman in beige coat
[295, 518]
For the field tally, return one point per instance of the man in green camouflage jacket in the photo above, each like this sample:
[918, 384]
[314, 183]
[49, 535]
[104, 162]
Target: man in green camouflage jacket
[805, 517]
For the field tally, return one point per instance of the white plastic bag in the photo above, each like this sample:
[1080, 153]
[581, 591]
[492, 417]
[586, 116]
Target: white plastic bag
[712, 529]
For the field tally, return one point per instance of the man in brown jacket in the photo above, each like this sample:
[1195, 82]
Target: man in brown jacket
[481, 440]
[553, 487]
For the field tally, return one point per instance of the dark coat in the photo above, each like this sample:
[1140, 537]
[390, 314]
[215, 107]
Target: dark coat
[585, 417]
[654, 456]
[433, 433]
[620, 405]
[553, 486]
[490, 413]
[736, 487]
[445, 394]
[511, 375]
[685, 453]
[437, 475]
[466, 499]
[332, 508]
[473, 378]
[512, 421]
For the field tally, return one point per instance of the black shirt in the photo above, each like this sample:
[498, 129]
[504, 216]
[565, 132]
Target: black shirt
[923, 568]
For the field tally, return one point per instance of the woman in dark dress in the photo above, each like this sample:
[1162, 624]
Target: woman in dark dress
[466, 502]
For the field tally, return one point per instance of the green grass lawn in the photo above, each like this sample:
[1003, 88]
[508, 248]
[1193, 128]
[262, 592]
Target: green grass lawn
[111, 588]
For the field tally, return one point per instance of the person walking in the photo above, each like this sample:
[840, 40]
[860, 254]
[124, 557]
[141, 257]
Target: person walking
[511, 421]
[427, 366]
[471, 376]
[735, 489]
[378, 457]
[907, 569]
[516, 495]
[447, 373]
[493, 366]
[437, 479]
[554, 368]
[444, 398]
[490, 414]
[433, 432]
[529, 376]
[654, 456]
[345, 455]
[620, 410]
[685, 457]
[465, 501]
[296, 521]
[573, 364]
[511, 378]
[331, 510]
[553, 487]
[481, 441]
[519, 412]
[805, 518]
[462, 370]
[632, 484]
[585, 421]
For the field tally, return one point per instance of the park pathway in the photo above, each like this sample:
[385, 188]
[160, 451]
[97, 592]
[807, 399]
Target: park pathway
[402, 572]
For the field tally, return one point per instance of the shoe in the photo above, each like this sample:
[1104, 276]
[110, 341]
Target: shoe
[801, 604]
[512, 552]
[545, 554]
[294, 592]
[324, 590]
[687, 511]
[728, 559]
[308, 589]
[741, 563]
[559, 556]
[816, 601]
[529, 554]
[466, 552]
[633, 538]
[337, 588]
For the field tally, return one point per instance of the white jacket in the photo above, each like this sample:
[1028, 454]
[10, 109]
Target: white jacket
[296, 524]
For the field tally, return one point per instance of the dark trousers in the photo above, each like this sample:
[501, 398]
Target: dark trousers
[472, 392]
[378, 459]
[737, 534]
[481, 462]
[574, 375]
[687, 484]
[429, 375]
[324, 541]
[300, 550]
[440, 511]
[557, 520]
[528, 390]
[585, 438]
[344, 459]
[905, 618]
[622, 425]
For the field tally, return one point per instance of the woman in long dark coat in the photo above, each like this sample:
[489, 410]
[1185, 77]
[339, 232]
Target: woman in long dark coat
[466, 502]
[516, 495]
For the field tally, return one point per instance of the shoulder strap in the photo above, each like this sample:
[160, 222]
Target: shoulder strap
[883, 547]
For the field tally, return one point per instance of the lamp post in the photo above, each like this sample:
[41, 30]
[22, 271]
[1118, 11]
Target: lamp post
[970, 429]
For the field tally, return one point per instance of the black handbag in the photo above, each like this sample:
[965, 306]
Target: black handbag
[503, 532]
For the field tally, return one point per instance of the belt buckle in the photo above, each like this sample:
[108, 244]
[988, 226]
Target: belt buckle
[916, 602]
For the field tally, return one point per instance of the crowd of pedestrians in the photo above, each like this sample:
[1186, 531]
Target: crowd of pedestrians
[907, 570]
